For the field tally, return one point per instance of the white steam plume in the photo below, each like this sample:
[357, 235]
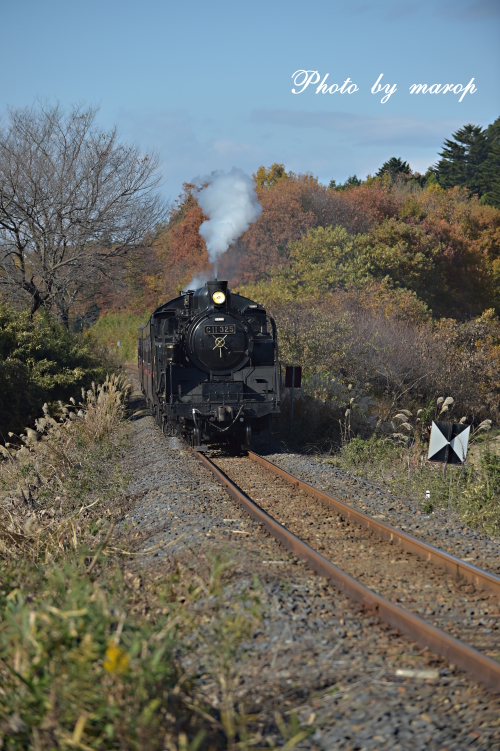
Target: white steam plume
[200, 280]
[230, 202]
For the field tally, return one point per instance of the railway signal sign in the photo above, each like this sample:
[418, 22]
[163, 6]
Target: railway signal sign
[449, 441]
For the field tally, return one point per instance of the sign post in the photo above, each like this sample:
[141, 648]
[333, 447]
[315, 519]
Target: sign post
[448, 443]
[293, 379]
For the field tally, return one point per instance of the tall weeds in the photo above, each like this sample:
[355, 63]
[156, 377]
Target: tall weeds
[55, 479]
[471, 491]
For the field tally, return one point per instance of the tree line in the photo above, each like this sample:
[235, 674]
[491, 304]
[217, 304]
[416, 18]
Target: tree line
[470, 159]
[83, 227]
[441, 243]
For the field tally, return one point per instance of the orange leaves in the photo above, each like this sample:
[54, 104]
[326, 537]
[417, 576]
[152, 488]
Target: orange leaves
[374, 202]
[181, 251]
[291, 207]
[441, 244]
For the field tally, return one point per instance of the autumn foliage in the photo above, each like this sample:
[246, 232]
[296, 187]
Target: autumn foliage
[160, 270]
[181, 251]
[444, 245]
[397, 258]
[391, 283]
[291, 206]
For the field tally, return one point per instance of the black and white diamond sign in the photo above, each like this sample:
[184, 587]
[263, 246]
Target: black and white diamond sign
[448, 442]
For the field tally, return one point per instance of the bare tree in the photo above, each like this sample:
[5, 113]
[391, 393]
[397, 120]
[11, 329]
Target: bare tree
[72, 200]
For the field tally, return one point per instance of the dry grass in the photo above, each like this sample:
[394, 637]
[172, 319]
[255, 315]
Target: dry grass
[54, 481]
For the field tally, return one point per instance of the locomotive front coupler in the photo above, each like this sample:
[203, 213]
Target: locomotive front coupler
[196, 412]
[224, 413]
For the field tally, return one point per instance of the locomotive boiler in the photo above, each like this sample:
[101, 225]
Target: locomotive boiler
[208, 364]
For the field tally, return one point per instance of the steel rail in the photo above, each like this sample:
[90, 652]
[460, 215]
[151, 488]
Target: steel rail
[481, 579]
[480, 667]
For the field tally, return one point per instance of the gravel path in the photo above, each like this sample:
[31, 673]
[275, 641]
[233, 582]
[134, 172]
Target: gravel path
[314, 650]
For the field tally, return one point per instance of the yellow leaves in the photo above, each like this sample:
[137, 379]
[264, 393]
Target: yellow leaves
[489, 314]
[434, 187]
[116, 660]
[281, 288]
[265, 178]
[323, 258]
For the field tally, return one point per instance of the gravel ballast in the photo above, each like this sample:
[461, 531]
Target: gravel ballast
[314, 651]
[453, 605]
[442, 528]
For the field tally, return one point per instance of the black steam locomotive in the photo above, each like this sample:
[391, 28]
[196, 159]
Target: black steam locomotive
[208, 363]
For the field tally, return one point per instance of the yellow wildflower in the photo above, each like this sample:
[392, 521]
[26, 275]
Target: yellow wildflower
[115, 659]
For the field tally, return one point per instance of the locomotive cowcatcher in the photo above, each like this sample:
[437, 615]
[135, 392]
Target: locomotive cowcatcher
[208, 364]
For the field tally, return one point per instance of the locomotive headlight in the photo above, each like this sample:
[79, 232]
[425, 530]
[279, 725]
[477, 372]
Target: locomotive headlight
[219, 297]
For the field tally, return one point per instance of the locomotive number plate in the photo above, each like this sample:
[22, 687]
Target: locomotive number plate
[221, 329]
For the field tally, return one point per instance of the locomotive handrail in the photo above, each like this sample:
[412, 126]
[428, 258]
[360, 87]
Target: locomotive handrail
[275, 338]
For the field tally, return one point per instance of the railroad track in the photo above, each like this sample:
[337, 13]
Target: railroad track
[374, 564]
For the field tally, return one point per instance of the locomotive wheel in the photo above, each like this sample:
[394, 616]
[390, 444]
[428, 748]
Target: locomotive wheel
[169, 429]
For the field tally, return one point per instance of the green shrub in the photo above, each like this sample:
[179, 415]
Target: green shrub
[374, 458]
[480, 502]
[40, 361]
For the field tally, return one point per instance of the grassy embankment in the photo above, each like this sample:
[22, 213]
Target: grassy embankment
[91, 650]
[471, 491]
[122, 327]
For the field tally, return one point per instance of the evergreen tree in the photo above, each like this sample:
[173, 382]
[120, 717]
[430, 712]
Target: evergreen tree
[394, 166]
[352, 182]
[490, 169]
[462, 159]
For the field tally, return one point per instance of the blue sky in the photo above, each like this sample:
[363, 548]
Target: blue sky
[209, 84]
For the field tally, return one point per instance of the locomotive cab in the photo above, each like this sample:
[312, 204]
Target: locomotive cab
[214, 366]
